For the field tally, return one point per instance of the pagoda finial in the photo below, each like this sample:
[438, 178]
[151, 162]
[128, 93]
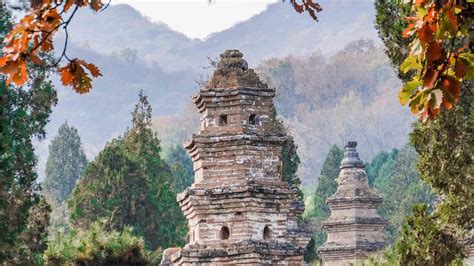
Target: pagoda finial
[232, 59]
[232, 71]
[351, 156]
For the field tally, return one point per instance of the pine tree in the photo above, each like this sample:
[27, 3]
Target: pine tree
[66, 162]
[445, 147]
[128, 184]
[399, 184]
[327, 186]
[381, 167]
[181, 167]
[24, 113]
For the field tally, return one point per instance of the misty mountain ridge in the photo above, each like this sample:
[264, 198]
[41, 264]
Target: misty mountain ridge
[276, 32]
[134, 53]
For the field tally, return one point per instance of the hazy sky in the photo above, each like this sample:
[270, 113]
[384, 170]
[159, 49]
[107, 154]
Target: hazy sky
[198, 18]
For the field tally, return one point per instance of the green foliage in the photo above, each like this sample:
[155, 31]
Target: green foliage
[33, 239]
[399, 183]
[445, 146]
[66, 162]
[24, 113]
[327, 186]
[98, 246]
[128, 184]
[290, 158]
[381, 166]
[181, 166]
[290, 162]
[423, 243]
[280, 74]
[390, 23]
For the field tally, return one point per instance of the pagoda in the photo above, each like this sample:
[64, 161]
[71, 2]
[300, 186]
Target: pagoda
[239, 210]
[354, 229]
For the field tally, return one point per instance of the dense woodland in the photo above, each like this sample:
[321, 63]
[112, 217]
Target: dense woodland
[120, 205]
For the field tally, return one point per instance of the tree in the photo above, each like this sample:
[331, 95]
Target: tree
[390, 23]
[435, 247]
[66, 162]
[35, 236]
[437, 55]
[443, 144]
[280, 74]
[327, 186]
[100, 246]
[128, 184]
[289, 155]
[33, 35]
[399, 183]
[24, 112]
[382, 166]
[181, 166]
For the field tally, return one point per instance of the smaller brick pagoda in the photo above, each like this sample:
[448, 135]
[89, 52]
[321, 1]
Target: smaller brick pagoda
[354, 229]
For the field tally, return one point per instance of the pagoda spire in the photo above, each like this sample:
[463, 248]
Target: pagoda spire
[354, 229]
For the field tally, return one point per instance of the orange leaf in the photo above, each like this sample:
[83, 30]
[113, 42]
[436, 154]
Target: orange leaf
[68, 5]
[430, 77]
[453, 87]
[3, 61]
[24, 42]
[420, 2]
[96, 5]
[20, 76]
[453, 21]
[460, 69]
[91, 67]
[425, 34]
[409, 30]
[35, 59]
[434, 52]
[66, 76]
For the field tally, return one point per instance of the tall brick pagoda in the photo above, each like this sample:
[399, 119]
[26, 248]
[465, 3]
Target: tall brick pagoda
[239, 210]
[354, 229]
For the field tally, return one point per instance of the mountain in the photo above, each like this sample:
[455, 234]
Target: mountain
[276, 32]
[135, 53]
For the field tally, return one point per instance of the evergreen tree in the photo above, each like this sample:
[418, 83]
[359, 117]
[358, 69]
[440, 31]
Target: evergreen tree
[327, 186]
[98, 245]
[445, 147]
[390, 23]
[399, 183]
[65, 164]
[381, 167]
[24, 112]
[128, 184]
[290, 158]
[181, 167]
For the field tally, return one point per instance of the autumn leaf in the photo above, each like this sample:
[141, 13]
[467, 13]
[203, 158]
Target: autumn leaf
[407, 91]
[409, 30]
[96, 5]
[459, 69]
[34, 33]
[434, 52]
[430, 78]
[74, 74]
[452, 86]
[420, 2]
[410, 63]
[425, 34]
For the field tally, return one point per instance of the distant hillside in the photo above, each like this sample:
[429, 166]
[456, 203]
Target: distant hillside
[135, 53]
[276, 32]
